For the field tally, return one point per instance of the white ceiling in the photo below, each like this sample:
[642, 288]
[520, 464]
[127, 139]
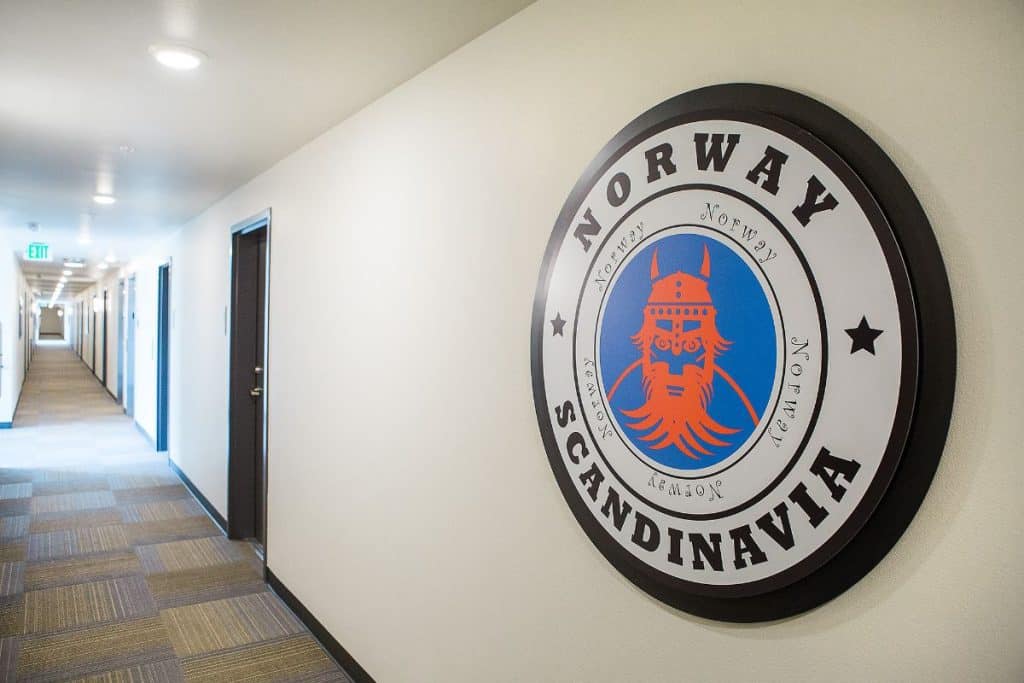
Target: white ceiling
[77, 84]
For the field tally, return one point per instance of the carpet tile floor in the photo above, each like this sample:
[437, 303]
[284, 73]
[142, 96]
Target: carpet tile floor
[110, 570]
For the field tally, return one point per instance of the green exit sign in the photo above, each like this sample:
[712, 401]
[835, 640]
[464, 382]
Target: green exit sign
[37, 251]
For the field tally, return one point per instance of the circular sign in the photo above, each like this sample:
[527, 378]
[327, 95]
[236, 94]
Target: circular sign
[730, 349]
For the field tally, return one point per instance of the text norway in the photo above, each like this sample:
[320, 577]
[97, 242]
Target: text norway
[705, 551]
[711, 157]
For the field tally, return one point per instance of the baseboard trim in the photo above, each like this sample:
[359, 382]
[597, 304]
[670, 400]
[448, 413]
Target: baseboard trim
[210, 510]
[145, 435]
[6, 425]
[333, 647]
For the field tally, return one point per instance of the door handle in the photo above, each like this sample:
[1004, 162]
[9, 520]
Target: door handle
[255, 392]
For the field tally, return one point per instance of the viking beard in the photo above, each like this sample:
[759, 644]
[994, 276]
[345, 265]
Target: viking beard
[676, 410]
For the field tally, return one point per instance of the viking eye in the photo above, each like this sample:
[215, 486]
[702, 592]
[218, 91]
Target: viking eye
[691, 345]
[661, 343]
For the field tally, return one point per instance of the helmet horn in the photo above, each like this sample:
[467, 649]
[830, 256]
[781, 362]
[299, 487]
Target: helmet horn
[705, 267]
[654, 265]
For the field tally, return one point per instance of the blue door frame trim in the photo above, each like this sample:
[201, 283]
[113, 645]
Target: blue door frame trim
[163, 349]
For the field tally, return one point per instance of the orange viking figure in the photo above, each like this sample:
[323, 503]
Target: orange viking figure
[679, 344]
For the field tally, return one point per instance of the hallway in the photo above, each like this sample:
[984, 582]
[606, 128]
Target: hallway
[109, 569]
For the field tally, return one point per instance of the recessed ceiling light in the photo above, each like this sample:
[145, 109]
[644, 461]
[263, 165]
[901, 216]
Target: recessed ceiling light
[102, 265]
[110, 258]
[73, 264]
[177, 57]
[103, 199]
[65, 272]
[63, 279]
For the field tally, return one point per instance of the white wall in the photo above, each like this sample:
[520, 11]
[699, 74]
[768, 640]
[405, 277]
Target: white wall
[15, 297]
[50, 322]
[411, 504]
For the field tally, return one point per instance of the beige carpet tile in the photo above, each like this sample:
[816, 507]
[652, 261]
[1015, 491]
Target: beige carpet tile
[59, 656]
[174, 589]
[11, 577]
[14, 550]
[69, 542]
[297, 658]
[15, 506]
[12, 491]
[8, 657]
[160, 510]
[151, 493]
[165, 530]
[141, 481]
[13, 527]
[72, 502]
[167, 671]
[95, 567]
[10, 475]
[55, 521]
[84, 604]
[199, 552]
[12, 615]
[208, 626]
[60, 475]
[53, 488]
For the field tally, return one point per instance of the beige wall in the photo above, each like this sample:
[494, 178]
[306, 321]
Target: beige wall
[411, 504]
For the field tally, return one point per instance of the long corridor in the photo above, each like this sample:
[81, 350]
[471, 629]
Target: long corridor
[109, 568]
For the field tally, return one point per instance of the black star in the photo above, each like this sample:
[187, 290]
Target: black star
[557, 325]
[863, 337]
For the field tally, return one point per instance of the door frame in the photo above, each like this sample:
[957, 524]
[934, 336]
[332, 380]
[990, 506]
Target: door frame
[238, 496]
[106, 335]
[129, 350]
[163, 348]
[92, 333]
[122, 298]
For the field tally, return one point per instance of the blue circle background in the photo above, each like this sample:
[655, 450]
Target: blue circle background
[744, 318]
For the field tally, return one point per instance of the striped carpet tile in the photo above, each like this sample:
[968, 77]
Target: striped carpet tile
[76, 542]
[14, 551]
[55, 521]
[141, 481]
[15, 526]
[293, 659]
[10, 491]
[15, 476]
[168, 671]
[165, 530]
[84, 604]
[8, 657]
[45, 475]
[221, 624]
[16, 506]
[151, 493]
[11, 577]
[199, 552]
[160, 510]
[72, 502]
[12, 616]
[66, 571]
[59, 656]
[53, 488]
[175, 589]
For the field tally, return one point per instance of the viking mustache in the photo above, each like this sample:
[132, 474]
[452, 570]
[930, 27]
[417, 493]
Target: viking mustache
[680, 421]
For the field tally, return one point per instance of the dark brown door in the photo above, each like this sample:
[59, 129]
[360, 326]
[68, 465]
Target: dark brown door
[247, 460]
